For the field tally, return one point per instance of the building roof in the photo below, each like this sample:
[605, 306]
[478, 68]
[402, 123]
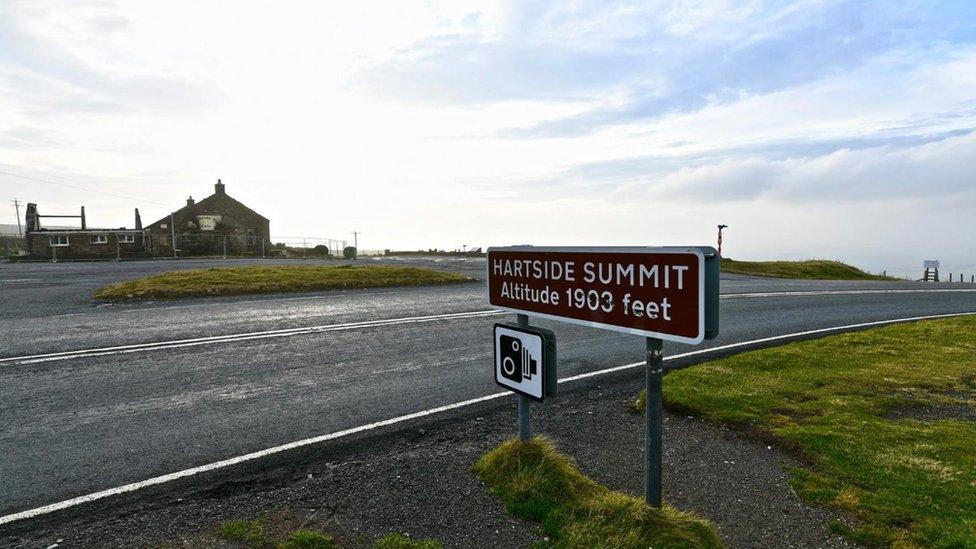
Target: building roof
[8, 229]
[215, 196]
[226, 196]
[69, 230]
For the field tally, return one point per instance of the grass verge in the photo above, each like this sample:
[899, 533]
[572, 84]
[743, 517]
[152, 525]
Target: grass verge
[272, 279]
[885, 417]
[817, 269]
[537, 482]
[254, 535]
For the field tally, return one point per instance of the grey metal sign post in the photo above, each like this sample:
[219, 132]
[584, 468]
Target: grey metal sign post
[525, 363]
[653, 411]
[524, 404]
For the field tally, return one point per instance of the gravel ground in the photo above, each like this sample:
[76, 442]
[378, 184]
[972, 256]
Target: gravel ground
[416, 480]
[934, 412]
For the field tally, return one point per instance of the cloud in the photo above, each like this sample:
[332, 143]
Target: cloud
[43, 72]
[622, 122]
[941, 168]
[629, 62]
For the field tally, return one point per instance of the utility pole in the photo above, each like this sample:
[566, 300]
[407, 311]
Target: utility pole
[720, 227]
[20, 232]
[355, 244]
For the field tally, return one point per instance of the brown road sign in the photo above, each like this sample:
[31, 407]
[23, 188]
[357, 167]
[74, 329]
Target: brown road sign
[669, 293]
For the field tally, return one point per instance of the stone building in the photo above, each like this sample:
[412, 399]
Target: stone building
[216, 225]
[83, 242]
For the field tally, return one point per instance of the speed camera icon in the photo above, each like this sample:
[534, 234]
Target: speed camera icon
[520, 360]
[517, 360]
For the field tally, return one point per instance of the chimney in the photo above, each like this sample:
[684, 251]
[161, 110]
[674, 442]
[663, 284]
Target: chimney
[138, 221]
[32, 221]
[219, 187]
[189, 201]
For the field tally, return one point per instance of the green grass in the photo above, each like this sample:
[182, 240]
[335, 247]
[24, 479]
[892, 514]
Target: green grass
[308, 539]
[272, 279]
[253, 534]
[905, 482]
[399, 541]
[818, 269]
[536, 482]
[248, 532]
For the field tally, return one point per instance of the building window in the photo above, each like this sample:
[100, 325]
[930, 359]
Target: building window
[60, 240]
[127, 238]
[98, 239]
[208, 222]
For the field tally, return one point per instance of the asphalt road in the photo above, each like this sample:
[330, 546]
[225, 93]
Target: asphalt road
[93, 420]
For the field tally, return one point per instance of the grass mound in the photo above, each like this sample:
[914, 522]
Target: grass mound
[817, 269]
[885, 415]
[537, 482]
[272, 279]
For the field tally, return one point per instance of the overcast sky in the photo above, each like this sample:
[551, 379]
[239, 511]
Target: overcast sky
[813, 129]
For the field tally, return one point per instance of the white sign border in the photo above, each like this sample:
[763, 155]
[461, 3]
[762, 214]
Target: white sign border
[611, 249]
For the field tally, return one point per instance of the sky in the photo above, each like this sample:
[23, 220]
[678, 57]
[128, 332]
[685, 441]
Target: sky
[814, 129]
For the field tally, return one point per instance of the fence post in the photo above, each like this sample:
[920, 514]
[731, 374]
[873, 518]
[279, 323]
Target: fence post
[262, 247]
[172, 224]
[225, 246]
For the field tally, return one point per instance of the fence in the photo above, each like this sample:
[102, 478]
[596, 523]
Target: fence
[11, 246]
[217, 245]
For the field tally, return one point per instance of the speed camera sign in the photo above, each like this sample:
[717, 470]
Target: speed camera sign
[525, 360]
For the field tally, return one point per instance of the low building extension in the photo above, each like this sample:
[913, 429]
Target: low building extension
[83, 242]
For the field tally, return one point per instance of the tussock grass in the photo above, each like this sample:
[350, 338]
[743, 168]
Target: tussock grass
[818, 269]
[906, 482]
[537, 482]
[261, 279]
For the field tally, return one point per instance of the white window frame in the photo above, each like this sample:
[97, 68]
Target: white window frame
[127, 238]
[56, 241]
[98, 239]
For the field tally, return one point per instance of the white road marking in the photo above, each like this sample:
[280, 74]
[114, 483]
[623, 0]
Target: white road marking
[802, 293]
[138, 347]
[162, 479]
[374, 291]
[329, 295]
[228, 338]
